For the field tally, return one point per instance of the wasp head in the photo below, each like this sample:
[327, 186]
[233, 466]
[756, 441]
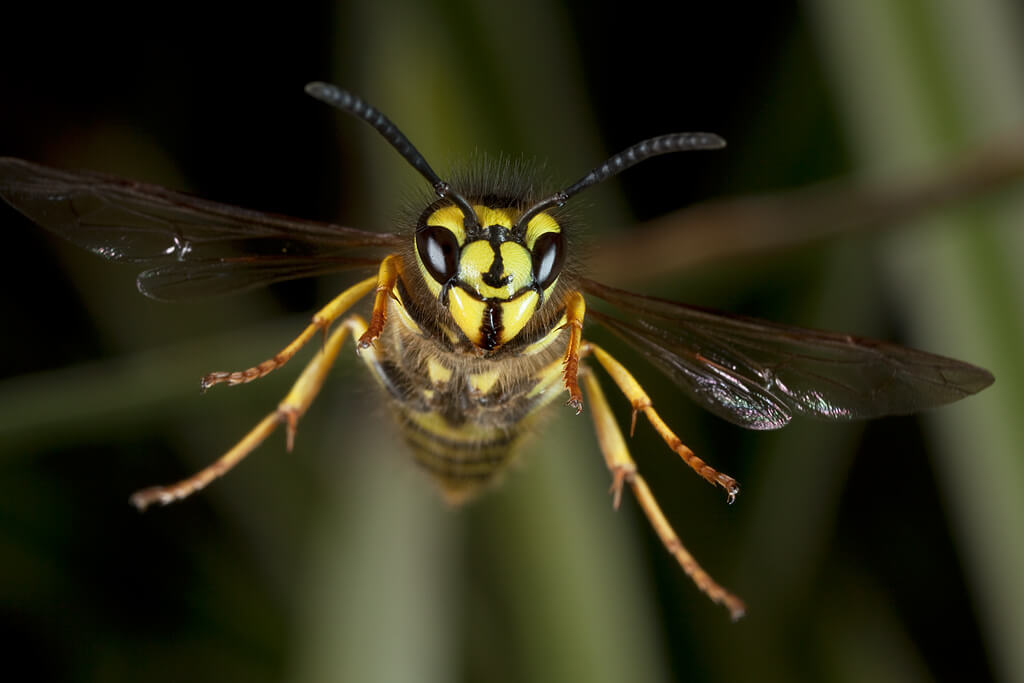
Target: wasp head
[490, 270]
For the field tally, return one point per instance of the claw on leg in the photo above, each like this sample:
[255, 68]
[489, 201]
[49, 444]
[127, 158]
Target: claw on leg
[641, 403]
[623, 469]
[575, 309]
[386, 278]
[321, 321]
[186, 487]
[289, 411]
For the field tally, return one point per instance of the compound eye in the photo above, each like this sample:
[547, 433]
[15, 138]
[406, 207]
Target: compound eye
[439, 250]
[548, 255]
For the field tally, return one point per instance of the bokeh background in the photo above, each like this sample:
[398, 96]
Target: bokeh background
[891, 550]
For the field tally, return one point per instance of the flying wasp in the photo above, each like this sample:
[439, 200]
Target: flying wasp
[477, 318]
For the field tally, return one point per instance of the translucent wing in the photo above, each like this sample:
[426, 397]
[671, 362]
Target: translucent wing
[759, 374]
[190, 246]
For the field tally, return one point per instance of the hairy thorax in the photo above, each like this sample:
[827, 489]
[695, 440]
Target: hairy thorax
[463, 411]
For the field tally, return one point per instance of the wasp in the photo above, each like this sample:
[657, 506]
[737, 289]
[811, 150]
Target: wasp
[477, 318]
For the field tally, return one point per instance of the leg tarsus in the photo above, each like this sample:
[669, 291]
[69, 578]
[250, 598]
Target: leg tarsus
[575, 310]
[672, 543]
[387, 276]
[623, 469]
[321, 321]
[641, 402]
[293, 407]
[186, 487]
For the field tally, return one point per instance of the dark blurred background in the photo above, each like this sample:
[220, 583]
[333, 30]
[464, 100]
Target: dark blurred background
[888, 550]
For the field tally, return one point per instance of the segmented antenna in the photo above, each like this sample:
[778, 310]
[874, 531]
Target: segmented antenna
[355, 105]
[631, 156]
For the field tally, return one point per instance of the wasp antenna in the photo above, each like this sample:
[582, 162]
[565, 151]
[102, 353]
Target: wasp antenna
[357, 106]
[641, 151]
[631, 156]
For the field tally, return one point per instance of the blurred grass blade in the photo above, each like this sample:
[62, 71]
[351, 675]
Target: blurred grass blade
[941, 76]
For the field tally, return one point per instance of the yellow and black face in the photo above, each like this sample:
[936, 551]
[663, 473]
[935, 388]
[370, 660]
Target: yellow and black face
[492, 277]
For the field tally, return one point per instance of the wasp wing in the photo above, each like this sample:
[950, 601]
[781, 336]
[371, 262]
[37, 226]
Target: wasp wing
[191, 246]
[758, 374]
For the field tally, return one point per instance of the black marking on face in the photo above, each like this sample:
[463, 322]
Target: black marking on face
[491, 326]
[496, 235]
[493, 276]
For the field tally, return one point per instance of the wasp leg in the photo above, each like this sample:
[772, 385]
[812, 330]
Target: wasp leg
[321, 321]
[623, 469]
[575, 310]
[387, 276]
[288, 411]
[640, 401]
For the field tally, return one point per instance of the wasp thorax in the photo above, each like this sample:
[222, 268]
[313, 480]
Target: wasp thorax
[493, 276]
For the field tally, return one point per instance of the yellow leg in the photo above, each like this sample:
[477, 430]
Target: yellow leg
[288, 411]
[575, 310]
[623, 470]
[640, 401]
[321, 321]
[387, 276]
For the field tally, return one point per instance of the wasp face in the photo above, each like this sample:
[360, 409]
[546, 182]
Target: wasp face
[492, 277]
